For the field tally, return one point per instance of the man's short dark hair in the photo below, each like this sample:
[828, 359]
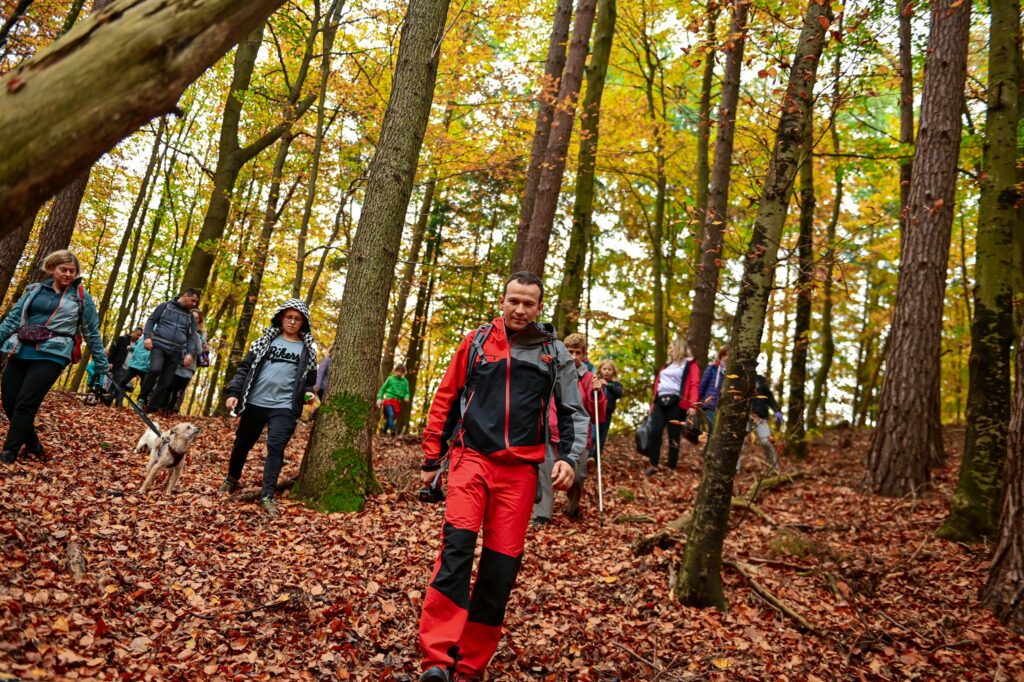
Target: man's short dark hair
[191, 290]
[525, 277]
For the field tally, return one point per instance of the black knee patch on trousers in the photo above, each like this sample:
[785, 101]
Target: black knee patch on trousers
[494, 582]
[452, 578]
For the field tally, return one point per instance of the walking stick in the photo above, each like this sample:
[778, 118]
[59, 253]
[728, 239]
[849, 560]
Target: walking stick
[597, 442]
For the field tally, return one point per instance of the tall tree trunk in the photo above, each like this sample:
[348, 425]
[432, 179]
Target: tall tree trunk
[546, 98]
[535, 252]
[1004, 591]
[700, 205]
[11, 247]
[54, 131]
[796, 430]
[567, 311]
[974, 508]
[905, 10]
[908, 437]
[703, 313]
[699, 582]
[337, 471]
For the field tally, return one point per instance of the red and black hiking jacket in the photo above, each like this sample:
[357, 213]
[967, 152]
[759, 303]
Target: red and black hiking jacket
[498, 407]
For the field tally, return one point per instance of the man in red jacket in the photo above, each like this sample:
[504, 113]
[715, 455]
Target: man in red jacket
[489, 417]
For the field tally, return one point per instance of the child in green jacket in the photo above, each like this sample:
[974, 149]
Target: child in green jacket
[390, 395]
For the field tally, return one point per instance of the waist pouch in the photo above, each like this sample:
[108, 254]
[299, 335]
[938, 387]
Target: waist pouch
[668, 400]
[34, 334]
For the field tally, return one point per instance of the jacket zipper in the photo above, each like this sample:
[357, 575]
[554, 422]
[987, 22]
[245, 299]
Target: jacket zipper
[508, 386]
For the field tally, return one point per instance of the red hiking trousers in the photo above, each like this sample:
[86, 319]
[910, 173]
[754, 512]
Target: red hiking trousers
[499, 495]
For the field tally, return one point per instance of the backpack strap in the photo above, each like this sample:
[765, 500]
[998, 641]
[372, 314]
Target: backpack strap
[476, 350]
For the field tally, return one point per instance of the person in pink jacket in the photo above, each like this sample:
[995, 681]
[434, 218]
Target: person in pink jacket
[676, 396]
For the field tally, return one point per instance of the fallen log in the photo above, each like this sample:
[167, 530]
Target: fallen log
[766, 594]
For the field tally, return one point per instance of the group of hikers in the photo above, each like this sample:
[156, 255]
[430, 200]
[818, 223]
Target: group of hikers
[518, 414]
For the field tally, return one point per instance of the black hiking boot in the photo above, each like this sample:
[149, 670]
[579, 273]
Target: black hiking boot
[435, 674]
[8, 456]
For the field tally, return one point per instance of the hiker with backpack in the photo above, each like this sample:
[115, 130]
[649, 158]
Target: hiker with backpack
[120, 354]
[489, 420]
[171, 336]
[42, 335]
[273, 382]
[762, 407]
[676, 391]
[576, 344]
[184, 373]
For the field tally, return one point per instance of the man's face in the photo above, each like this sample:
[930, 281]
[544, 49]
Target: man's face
[578, 355]
[136, 335]
[520, 305]
[188, 301]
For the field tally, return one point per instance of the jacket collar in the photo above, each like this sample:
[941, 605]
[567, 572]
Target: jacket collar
[533, 334]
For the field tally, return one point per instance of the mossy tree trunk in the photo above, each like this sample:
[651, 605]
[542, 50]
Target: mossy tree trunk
[1004, 590]
[796, 429]
[570, 293]
[546, 98]
[907, 440]
[974, 508]
[549, 187]
[716, 217]
[337, 471]
[117, 69]
[699, 582]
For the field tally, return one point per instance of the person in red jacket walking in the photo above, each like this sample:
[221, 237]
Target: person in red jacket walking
[676, 395]
[489, 418]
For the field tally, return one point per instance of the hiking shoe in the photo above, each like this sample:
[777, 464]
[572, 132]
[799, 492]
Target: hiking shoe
[229, 485]
[650, 471]
[7, 456]
[34, 447]
[435, 674]
[541, 521]
[269, 507]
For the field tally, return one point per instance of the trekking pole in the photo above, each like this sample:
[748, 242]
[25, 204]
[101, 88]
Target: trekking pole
[135, 406]
[597, 442]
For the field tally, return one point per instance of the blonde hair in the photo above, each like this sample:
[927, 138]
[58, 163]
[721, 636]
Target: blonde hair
[61, 257]
[678, 351]
[576, 340]
[609, 363]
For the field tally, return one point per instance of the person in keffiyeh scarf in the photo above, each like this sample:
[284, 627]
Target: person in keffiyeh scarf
[272, 383]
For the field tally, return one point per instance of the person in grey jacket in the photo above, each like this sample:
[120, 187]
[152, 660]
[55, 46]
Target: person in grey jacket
[39, 338]
[171, 335]
[271, 385]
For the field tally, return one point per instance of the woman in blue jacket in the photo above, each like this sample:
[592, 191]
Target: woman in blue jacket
[39, 336]
[711, 386]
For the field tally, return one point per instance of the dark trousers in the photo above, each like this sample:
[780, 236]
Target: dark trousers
[124, 377]
[178, 388]
[156, 389]
[660, 417]
[280, 427]
[25, 383]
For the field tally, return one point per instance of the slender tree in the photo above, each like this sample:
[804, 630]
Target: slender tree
[905, 13]
[699, 582]
[337, 471]
[703, 312]
[703, 171]
[908, 437]
[535, 252]
[567, 310]
[60, 114]
[546, 98]
[796, 429]
[974, 508]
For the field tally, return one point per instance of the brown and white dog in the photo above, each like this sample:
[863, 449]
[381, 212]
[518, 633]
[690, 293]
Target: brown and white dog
[166, 452]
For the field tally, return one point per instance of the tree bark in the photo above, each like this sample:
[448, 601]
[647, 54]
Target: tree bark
[120, 67]
[337, 471]
[703, 313]
[796, 430]
[908, 436]
[11, 247]
[570, 293]
[548, 95]
[699, 582]
[700, 204]
[974, 508]
[905, 10]
[1004, 591]
[535, 251]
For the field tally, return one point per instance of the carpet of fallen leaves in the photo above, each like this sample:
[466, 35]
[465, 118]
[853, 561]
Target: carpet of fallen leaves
[194, 586]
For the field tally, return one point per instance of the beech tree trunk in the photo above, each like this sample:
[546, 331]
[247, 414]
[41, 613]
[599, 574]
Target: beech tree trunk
[117, 69]
[908, 437]
[700, 205]
[905, 10]
[570, 293]
[548, 95]
[703, 313]
[796, 430]
[1004, 591]
[337, 471]
[974, 508]
[699, 582]
[549, 186]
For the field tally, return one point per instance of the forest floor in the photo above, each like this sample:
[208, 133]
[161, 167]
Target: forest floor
[197, 587]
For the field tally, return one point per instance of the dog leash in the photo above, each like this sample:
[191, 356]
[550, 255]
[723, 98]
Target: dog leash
[135, 406]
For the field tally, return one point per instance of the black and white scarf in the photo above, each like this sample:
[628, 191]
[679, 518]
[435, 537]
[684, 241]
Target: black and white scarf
[260, 347]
